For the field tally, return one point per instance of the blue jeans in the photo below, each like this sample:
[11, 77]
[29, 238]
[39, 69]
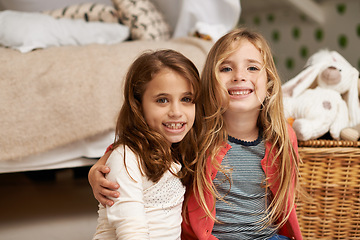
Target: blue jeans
[279, 237]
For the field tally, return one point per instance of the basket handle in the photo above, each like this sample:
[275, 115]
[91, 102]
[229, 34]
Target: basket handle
[328, 143]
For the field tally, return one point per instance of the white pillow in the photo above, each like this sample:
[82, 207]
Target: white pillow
[27, 31]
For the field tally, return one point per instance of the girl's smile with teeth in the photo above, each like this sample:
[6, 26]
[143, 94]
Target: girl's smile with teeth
[240, 92]
[174, 125]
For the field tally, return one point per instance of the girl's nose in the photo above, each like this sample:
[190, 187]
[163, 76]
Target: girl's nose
[239, 76]
[175, 110]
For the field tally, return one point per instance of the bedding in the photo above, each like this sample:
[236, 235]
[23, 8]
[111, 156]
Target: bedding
[26, 31]
[182, 15]
[58, 97]
[83, 152]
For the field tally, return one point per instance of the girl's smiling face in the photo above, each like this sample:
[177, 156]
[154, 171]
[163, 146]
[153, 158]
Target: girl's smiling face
[168, 106]
[244, 76]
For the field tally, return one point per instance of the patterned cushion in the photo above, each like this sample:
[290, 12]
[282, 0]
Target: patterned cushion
[87, 11]
[143, 18]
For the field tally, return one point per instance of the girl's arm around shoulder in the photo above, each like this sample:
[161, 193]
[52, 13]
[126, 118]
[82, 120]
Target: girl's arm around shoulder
[102, 188]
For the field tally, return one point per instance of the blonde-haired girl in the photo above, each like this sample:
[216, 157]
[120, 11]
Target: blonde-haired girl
[246, 173]
[254, 174]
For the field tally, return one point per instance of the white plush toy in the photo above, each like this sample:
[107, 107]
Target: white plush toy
[323, 97]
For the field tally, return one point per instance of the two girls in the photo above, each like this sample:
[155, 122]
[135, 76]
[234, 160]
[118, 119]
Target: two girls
[246, 171]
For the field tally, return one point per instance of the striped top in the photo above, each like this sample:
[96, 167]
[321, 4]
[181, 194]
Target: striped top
[245, 204]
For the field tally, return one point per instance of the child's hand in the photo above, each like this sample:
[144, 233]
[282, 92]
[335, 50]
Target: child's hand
[102, 188]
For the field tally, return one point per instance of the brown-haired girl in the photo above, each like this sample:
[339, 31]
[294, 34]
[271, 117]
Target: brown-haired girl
[153, 150]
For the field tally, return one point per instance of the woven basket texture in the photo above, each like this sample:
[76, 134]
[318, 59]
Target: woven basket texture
[330, 174]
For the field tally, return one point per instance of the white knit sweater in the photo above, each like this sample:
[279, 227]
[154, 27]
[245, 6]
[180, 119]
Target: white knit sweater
[144, 210]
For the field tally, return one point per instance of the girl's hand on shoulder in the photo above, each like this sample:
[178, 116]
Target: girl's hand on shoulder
[102, 188]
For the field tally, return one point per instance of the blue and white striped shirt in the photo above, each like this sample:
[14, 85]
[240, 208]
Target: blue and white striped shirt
[245, 205]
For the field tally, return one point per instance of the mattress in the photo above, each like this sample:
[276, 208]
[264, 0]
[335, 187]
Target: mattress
[81, 153]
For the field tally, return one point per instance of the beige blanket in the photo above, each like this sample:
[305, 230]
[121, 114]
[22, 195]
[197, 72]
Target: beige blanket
[53, 97]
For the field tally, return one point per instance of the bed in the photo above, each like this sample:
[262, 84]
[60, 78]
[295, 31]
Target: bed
[59, 103]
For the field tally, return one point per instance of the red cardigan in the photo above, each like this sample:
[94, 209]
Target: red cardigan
[201, 227]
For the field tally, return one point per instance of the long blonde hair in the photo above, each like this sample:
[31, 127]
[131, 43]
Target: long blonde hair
[271, 121]
[155, 155]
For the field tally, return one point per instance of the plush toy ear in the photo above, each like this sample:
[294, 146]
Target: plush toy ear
[307, 77]
[351, 85]
[297, 85]
[352, 99]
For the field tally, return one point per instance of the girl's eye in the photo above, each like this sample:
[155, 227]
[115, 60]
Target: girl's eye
[162, 100]
[253, 68]
[225, 69]
[187, 99]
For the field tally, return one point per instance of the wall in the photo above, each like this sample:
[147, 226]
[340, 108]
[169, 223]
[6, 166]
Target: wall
[294, 38]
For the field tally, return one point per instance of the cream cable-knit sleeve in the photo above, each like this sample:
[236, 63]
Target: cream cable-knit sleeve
[144, 210]
[127, 214]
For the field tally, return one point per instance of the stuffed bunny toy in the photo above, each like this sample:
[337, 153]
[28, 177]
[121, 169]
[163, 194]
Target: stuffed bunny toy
[323, 97]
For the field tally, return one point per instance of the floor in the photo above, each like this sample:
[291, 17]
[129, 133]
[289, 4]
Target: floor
[47, 205]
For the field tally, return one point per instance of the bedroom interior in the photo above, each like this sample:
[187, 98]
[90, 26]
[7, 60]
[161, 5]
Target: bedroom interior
[46, 152]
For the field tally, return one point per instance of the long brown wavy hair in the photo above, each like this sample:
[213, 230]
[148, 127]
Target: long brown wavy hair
[154, 154]
[271, 121]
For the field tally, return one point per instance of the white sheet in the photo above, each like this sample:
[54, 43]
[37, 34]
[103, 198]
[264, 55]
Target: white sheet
[82, 153]
[27, 31]
[42, 5]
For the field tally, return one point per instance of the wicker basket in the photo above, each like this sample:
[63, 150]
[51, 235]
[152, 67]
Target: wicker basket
[330, 174]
